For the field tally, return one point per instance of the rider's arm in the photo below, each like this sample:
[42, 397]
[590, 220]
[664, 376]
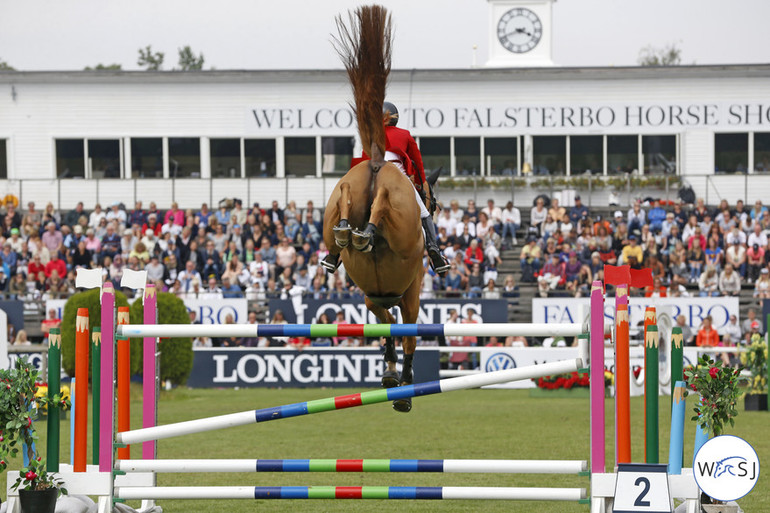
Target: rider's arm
[414, 153]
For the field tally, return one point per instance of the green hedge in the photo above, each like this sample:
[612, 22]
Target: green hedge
[176, 354]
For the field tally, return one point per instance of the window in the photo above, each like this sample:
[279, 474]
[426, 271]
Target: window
[501, 156]
[3, 159]
[336, 154]
[731, 153]
[622, 153]
[659, 152]
[147, 157]
[184, 157]
[104, 158]
[260, 157]
[300, 156]
[586, 154]
[549, 153]
[468, 156]
[435, 153]
[225, 158]
[762, 152]
[70, 158]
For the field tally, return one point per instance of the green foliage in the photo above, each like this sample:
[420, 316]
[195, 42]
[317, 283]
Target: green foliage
[104, 67]
[669, 55]
[151, 61]
[17, 393]
[176, 354]
[719, 389]
[188, 61]
[755, 360]
[4, 66]
[90, 300]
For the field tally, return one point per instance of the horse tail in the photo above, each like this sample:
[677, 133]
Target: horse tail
[364, 45]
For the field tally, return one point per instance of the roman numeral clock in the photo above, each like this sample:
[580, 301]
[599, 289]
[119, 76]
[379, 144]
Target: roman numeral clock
[520, 33]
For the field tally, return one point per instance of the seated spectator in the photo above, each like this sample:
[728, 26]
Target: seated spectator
[632, 250]
[549, 227]
[17, 289]
[708, 283]
[473, 255]
[696, 259]
[510, 289]
[483, 226]
[494, 214]
[736, 256]
[556, 211]
[475, 281]
[453, 281]
[762, 285]
[755, 260]
[714, 254]
[94, 220]
[55, 264]
[657, 289]
[707, 335]
[687, 335]
[731, 335]
[636, 217]
[538, 214]
[530, 258]
[729, 282]
[656, 216]
[552, 276]
[491, 260]
[230, 289]
[491, 291]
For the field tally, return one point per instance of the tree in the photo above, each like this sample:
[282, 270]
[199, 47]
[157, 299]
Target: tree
[151, 61]
[4, 66]
[188, 61]
[669, 55]
[104, 67]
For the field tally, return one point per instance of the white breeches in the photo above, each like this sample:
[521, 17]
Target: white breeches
[394, 159]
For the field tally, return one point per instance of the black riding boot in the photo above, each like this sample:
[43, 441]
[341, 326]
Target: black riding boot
[437, 260]
[330, 263]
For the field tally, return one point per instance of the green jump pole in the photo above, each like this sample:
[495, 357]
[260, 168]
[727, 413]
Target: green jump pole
[54, 387]
[96, 365]
[651, 385]
[677, 359]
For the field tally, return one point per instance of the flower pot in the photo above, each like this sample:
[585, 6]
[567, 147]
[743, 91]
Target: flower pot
[38, 501]
[755, 402]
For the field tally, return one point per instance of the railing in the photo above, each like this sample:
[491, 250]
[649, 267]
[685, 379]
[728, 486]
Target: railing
[595, 190]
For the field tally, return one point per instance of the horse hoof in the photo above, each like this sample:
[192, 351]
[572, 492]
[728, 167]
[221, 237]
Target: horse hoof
[362, 241]
[403, 405]
[342, 235]
[390, 379]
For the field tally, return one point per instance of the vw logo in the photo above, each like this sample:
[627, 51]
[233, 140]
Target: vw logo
[500, 361]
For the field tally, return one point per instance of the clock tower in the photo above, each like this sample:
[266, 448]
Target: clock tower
[520, 33]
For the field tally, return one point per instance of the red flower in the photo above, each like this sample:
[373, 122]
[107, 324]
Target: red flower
[693, 386]
[30, 476]
[713, 372]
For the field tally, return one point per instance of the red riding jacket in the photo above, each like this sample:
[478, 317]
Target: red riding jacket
[401, 142]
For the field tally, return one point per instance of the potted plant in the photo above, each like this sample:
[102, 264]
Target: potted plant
[38, 489]
[719, 388]
[755, 360]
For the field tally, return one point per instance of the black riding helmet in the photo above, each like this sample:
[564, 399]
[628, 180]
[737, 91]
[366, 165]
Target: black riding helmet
[389, 108]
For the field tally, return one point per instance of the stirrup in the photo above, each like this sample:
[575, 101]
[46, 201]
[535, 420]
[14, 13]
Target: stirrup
[440, 269]
[330, 267]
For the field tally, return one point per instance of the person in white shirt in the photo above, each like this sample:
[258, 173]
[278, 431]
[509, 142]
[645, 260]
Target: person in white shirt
[447, 222]
[538, 214]
[116, 213]
[511, 219]
[735, 236]
[494, 213]
[636, 217]
[757, 236]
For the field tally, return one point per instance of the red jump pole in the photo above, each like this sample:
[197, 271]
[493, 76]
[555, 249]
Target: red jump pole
[82, 341]
[124, 383]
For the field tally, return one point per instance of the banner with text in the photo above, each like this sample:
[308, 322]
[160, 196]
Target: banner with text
[252, 367]
[432, 311]
[207, 311]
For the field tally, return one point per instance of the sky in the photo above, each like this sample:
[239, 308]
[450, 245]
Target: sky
[296, 34]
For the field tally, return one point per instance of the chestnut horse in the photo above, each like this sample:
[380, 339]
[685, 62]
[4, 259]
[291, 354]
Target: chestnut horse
[372, 219]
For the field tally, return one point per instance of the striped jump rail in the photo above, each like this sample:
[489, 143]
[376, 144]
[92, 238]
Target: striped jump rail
[361, 465]
[349, 492]
[347, 401]
[352, 330]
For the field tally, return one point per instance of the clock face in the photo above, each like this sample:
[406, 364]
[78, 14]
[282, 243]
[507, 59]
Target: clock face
[519, 30]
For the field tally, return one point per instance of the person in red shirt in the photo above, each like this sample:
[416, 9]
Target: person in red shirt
[402, 151]
[57, 264]
[707, 335]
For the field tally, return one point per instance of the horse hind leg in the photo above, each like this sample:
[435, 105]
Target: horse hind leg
[363, 240]
[342, 229]
[390, 377]
[410, 307]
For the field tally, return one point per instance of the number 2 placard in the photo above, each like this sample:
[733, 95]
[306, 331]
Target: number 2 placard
[642, 487]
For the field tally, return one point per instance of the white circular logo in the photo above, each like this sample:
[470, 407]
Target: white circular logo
[500, 361]
[726, 468]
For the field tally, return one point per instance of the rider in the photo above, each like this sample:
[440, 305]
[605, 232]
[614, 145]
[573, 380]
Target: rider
[402, 151]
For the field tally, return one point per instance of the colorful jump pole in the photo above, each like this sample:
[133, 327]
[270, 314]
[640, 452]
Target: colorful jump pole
[677, 358]
[347, 401]
[350, 492]
[54, 387]
[124, 382]
[359, 465]
[149, 374]
[676, 442]
[649, 319]
[82, 342]
[622, 377]
[651, 377]
[598, 456]
[96, 364]
[107, 385]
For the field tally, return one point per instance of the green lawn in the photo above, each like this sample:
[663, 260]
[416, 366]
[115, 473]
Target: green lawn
[481, 424]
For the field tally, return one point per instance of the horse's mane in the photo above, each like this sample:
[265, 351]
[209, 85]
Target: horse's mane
[365, 49]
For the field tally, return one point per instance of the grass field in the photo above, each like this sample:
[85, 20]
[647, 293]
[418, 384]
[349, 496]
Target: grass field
[479, 424]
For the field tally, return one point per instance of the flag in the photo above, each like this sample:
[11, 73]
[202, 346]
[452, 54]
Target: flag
[641, 278]
[88, 278]
[616, 274]
[133, 279]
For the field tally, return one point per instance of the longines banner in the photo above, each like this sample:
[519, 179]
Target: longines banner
[432, 311]
[551, 118]
[318, 367]
[207, 311]
[694, 309]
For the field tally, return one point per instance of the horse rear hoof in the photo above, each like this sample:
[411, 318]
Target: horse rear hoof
[342, 235]
[390, 379]
[403, 405]
[362, 241]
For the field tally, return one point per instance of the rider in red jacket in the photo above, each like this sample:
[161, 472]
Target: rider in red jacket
[402, 151]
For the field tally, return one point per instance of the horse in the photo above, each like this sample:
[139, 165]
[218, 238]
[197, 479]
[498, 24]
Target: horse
[372, 220]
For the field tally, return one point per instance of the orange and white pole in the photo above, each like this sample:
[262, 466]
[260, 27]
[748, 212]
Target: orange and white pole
[82, 342]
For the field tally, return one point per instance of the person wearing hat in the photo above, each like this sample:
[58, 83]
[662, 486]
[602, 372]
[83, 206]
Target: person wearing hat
[17, 243]
[755, 260]
[667, 224]
[578, 212]
[552, 276]
[117, 214]
[632, 250]
[749, 323]
[762, 286]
